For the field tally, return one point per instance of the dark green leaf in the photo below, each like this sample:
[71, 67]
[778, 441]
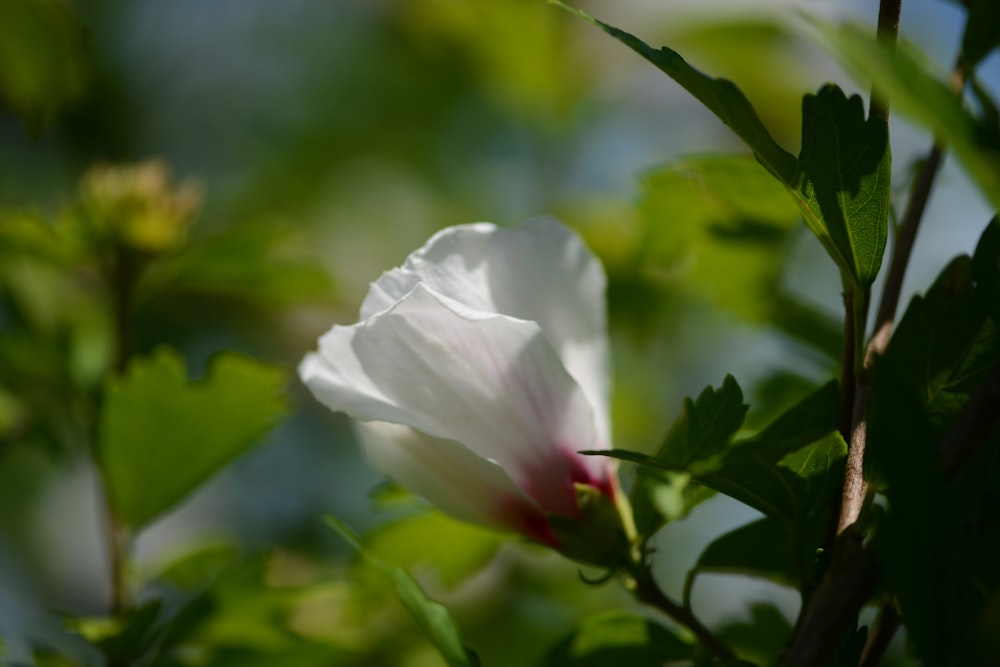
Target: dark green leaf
[843, 181]
[162, 435]
[619, 638]
[787, 471]
[704, 429]
[982, 32]
[793, 488]
[915, 93]
[721, 97]
[432, 617]
[936, 541]
[765, 548]
[986, 269]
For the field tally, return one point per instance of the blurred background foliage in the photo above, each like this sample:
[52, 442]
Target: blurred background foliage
[200, 189]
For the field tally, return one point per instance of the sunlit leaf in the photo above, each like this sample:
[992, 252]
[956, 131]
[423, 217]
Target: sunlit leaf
[917, 94]
[162, 435]
[704, 429]
[723, 98]
[843, 180]
[433, 618]
[619, 638]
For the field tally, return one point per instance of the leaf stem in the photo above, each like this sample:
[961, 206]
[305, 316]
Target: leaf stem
[647, 591]
[121, 275]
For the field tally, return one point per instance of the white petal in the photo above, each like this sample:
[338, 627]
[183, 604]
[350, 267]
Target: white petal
[452, 478]
[489, 381]
[540, 272]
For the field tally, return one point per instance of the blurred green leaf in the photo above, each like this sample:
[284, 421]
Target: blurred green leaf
[843, 180]
[433, 618]
[455, 549]
[723, 98]
[704, 429]
[760, 638]
[619, 638]
[162, 435]
[43, 59]
[915, 93]
[253, 263]
[765, 548]
[725, 225]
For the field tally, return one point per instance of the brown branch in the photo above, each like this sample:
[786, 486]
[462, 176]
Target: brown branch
[888, 30]
[883, 630]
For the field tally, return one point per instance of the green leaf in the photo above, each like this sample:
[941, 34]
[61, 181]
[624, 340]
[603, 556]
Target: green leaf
[705, 426]
[760, 638]
[457, 550]
[432, 617]
[843, 180]
[788, 471]
[986, 269]
[162, 435]
[918, 95]
[937, 544]
[704, 429]
[721, 97]
[764, 548]
[619, 638]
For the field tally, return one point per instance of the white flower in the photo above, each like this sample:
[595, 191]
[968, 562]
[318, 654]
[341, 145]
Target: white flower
[481, 367]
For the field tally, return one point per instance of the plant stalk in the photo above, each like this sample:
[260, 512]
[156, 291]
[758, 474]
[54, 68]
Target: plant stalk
[647, 591]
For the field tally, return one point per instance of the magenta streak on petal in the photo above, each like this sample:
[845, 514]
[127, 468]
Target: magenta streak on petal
[551, 481]
[524, 517]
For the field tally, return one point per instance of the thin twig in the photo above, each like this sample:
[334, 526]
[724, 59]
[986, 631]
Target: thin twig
[883, 630]
[648, 592]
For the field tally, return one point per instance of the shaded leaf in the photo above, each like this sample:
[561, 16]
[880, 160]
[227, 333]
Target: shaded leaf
[42, 59]
[432, 617]
[764, 548]
[937, 543]
[982, 32]
[843, 180]
[723, 98]
[619, 638]
[760, 638]
[162, 435]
